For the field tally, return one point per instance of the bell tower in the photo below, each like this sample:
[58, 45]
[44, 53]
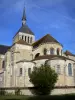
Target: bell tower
[24, 33]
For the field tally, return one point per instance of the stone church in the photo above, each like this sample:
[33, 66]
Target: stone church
[18, 60]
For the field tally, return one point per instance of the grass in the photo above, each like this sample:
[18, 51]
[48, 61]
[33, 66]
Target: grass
[13, 97]
[54, 97]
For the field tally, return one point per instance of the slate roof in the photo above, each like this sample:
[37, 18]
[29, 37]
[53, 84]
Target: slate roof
[25, 29]
[52, 57]
[3, 49]
[68, 53]
[46, 39]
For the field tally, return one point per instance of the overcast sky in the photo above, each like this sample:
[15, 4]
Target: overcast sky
[56, 17]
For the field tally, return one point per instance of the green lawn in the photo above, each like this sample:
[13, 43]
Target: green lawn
[54, 97]
[13, 97]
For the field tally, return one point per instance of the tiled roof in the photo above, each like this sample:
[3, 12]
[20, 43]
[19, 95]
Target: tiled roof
[22, 42]
[25, 29]
[3, 49]
[51, 57]
[68, 53]
[46, 39]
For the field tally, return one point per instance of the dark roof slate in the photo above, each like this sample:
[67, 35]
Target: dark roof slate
[47, 38]
[3, 49]
[25, 29]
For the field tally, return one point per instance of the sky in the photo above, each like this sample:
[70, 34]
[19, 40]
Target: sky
[55, 17]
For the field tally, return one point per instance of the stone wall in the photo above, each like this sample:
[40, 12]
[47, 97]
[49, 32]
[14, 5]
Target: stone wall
[2, 79]
[54, 92]
[41, 47]
[63, 78]
[1, 60]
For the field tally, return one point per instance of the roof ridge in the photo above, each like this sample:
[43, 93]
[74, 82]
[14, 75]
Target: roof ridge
[39, 39]
[45, 39]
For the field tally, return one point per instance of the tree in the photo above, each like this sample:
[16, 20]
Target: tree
[43, 79]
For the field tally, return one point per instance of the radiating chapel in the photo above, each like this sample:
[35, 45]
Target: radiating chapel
[18, 60]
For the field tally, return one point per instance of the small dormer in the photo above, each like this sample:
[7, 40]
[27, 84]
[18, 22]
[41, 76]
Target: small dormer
[24, 33]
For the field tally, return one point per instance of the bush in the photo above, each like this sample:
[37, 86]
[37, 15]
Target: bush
[43, 79]
[9, 93]
[17, 91]
[2, 92]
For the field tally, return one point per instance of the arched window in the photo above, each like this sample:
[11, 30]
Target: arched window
[20, 71]
[3, 64]
[37, 55]
[61, 52]
[25, 38]
[58, 51]
[45, 51]
[31, 40]
[52, 51]
[28, 39]
[22, 37]
[69, 69]
[29, 71]
[74, 71]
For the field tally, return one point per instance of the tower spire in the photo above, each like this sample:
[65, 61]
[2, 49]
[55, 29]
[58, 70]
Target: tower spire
[24, 17]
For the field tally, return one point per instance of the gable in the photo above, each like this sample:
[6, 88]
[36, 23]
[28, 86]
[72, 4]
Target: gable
[46, 39]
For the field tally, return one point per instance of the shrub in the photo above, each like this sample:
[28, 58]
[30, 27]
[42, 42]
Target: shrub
[17, 91]
[43, 79]
[9, 93]
[2, 92]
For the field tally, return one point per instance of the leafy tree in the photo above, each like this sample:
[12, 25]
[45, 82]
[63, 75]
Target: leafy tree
[43, 79]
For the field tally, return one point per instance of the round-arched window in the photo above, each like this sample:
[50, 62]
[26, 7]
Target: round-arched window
[69, 69]
[22, 37]
[3, 64]
[28, 39]
[29, 71]
[45, 51]
[61, 52]
[31, 40]
[52, 51]
[37, 55]
[25, 38]
[58, 50]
